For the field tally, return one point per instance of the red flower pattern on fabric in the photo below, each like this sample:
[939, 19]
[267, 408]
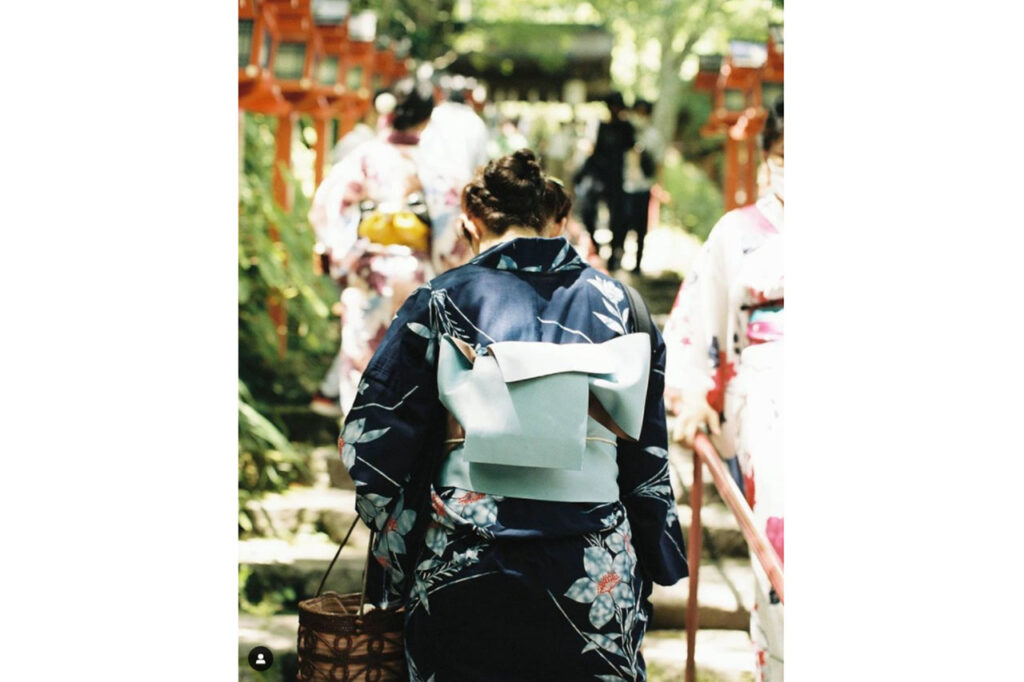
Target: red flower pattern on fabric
[607, 583]
[438, 504]
[726, 371]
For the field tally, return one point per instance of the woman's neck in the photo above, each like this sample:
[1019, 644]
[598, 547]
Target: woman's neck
[513, 232]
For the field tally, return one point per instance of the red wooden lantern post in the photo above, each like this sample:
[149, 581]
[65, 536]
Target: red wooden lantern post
[744, 80]
[359, 65]
[292, 67]
[738, 112]
[257, 35]
[332, 31]
[258, 91]
[772, 75]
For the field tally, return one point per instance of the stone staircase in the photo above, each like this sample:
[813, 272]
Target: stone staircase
[297, 533]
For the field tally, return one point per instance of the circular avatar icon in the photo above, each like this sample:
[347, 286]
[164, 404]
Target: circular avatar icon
[261, 658]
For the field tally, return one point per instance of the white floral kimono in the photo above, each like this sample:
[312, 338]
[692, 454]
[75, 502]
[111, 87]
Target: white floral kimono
[725, 345]
[383, 170]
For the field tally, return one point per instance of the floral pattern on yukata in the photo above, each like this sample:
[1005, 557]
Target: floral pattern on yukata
[585, 568]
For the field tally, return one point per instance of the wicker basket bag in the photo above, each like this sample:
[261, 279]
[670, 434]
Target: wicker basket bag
[340, 641]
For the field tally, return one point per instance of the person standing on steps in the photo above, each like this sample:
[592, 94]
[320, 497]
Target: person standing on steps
[724, 372]
[643, 162]
[509, 449]
[601, 176]
[396, 227]
[328, 225]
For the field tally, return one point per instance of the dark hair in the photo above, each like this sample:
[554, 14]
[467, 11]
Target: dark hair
[614, 99]
[773, 125]
[557, 202]
[414, 103]
[643, 104]
[510, 190]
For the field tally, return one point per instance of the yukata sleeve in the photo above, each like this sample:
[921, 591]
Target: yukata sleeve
[695, 333]
[646, 489]
[385, 439]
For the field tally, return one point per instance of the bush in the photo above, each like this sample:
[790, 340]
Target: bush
[282, 271]
[696, 200]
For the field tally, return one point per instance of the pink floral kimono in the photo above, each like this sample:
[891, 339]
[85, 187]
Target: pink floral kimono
[377, 279]
[725, 344]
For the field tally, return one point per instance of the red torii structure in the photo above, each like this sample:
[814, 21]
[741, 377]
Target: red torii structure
[291, 62]
[740, 85]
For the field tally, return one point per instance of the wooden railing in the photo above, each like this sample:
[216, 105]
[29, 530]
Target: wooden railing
[704, 453]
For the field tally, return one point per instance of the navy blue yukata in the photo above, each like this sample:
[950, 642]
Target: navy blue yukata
[503, 588]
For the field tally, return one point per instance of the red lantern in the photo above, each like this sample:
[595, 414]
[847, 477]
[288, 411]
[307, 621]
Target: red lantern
[257, 40]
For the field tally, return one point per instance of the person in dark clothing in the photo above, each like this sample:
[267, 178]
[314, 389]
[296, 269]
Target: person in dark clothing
[640, 174]
[522, 532]
[600, 177]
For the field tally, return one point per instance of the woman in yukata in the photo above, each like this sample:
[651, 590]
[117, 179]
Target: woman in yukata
[385, 176]
[508, 447]
[725, 340]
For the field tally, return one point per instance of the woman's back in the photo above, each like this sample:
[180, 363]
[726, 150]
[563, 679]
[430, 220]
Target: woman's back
[583, 567]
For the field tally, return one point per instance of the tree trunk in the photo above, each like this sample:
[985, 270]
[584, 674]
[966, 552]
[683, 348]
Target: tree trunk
[666, 110]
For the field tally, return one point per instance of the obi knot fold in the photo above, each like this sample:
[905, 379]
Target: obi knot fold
[528, 407]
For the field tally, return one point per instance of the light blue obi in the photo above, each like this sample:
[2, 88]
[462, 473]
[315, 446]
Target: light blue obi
[540, 418]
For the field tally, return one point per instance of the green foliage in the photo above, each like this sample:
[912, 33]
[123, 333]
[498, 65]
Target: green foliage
[548, 45]
[267, 461]
[428, 24]
[281, 271]
[696, 199]
[260, 596]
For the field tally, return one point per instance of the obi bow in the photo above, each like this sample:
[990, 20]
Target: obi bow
[527, 403]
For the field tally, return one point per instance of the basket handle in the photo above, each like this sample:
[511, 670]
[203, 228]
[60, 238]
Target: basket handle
[366, 566]
[336, 555]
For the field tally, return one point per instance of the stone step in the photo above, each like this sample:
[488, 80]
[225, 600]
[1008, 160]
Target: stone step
[721, 655]
[725, 595]
[328, 469]
[722, 534]
[302, 510]
[272, 566]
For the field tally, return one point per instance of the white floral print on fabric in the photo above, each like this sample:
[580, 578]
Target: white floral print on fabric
[612, 295]
[610, 588]
[433, 573]
[373, 506]
[354, 433]
[606, 584]
[398, 524]
[477, 508]
[428, 334]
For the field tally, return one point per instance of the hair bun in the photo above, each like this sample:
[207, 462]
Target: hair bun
[517, 176]
[510, 190]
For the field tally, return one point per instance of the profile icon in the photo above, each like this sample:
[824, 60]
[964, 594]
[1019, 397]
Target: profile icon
[260, 658]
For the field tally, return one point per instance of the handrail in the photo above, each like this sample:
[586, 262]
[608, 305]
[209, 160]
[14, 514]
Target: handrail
[705, 453]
